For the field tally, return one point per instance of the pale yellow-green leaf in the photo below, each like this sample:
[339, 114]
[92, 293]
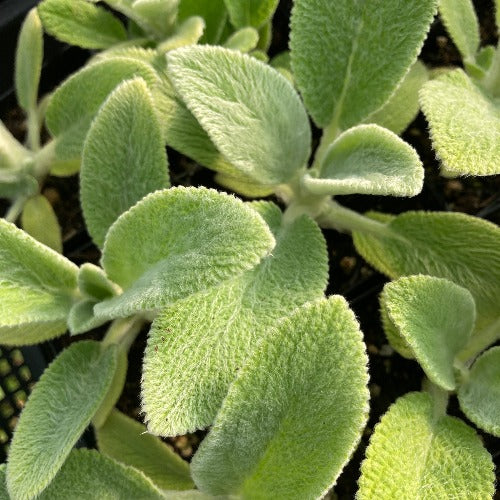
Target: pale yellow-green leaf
[177, 242]
[39, 220]
[81, 317]
[244, 40]
[128, 442]
[123, 157]
[158, 16]
[348, 57]
[56, 414]
[29, 55]
[94, 284]
[415, 454]
[242, 185]
[461, 23]
[479, 395]
[75, 103]
[188, 33]
[454, 246]
[212, 11]
[77, 22]
[89, 475]
[294, 415]
[435, 318]
[368, 159]
[234, 96]
[253, 13]
[403, 106]
[464, 124]
[197, 345]
[36, 288]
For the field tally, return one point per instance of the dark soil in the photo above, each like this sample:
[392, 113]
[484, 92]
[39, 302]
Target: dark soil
[391, 375]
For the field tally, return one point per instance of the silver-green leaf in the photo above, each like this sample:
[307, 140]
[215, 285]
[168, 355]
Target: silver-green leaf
[127, 441]
[57, 412]
[123, 158]
[303, 389]
[88, 475]
[435, 317]
[255, 13]
[414, 453]
[78, 22]
[479, 395]
[212, 11]
[464, 124]
[197, 346]
[368, 159]
[234, 96]
[349, 57]
[177, 242]
[29, 55]
[37, 286]
[454, 246]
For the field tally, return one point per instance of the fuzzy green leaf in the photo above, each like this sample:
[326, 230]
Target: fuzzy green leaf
[244, 40]
[435, 317]
[402, 108]
[77, 22]
[159, 15]
[76, 102]
[368, 159]
[454, 246]
[464, 124]
[29, 55]
[88, 475]
[461, 23]
[349, 57]
[128, 442]
[200, 239]
[213, 333]
[253, 13]
[212, 11]
[303, 389]
[416, 454]
[36, 288]
[188, 33]
[56, 413]
[233, 96]
[81, 317]
[39, 220]
[479, 396]
[241, 184]
[94, 284]
[123, 158]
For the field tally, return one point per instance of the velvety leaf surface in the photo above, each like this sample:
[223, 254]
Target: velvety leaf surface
[454, 246]
[303, 389]
[159, 15]
[56, 414]
[368, 159]
[479, 396]
[250, 12]
[81, 317]
[188, 33]
[464, 125]
[348, 57]
[29, 55]
[128, 442]
[213, 333]
[403, 106]
[88, 475]
[94, 284]
[244, 40]
[123, 158]
[461, 23]
[416, 454]
[177, 242]
[212, 11]
[251, 112]
[435, 317]
[36, 288]
[39, 220]
[78, 22]
[75, 103]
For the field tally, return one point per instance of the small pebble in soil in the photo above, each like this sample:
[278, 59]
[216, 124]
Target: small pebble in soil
[386, 350]
[347, 264]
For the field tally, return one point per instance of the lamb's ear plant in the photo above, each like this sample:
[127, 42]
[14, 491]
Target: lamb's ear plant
[462, 106]
[417, 448]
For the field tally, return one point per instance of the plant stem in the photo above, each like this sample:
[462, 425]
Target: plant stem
[330, 133]
[15, 209]
[123, 332]
[439, 396]
[343, 219]
[44, 159]
[33, 130]
[479, 342]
